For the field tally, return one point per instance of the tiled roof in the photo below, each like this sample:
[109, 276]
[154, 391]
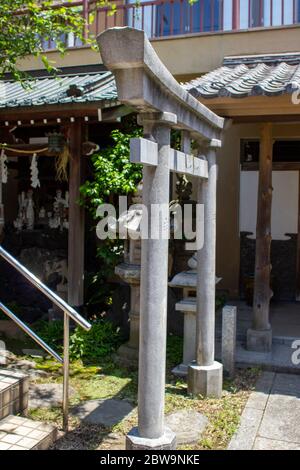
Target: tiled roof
[79, 88]
[255, 75]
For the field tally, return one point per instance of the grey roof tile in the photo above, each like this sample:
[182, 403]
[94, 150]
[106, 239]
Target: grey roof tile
[79, 88]
[242, 77]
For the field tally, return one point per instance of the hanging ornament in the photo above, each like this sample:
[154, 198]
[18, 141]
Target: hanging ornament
[35, 182]
[3, 167]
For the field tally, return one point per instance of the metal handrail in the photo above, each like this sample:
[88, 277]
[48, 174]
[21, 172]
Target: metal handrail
[58, 301]
[30, 332]
[69, 312]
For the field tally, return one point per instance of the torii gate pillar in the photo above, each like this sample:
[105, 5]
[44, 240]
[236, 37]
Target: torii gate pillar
[205, 376]
[151, 432]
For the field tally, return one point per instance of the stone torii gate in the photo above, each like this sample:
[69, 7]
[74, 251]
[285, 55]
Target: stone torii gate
[146, 86]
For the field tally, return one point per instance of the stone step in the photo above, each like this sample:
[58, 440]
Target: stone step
[18, 433]
[13, 393]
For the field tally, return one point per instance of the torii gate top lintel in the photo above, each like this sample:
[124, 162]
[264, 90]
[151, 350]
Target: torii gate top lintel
[145, 84]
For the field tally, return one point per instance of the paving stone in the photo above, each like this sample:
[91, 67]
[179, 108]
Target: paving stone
[270, 420]
[273, 444]
[281, 419]
[246, 434]
[188, 425]
[287, 384]
[257, 400]
[46, 395]
[103, 412]
[34, 352]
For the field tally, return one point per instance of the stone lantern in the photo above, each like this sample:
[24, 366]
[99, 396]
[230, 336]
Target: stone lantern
[130, 272]
[187, 281]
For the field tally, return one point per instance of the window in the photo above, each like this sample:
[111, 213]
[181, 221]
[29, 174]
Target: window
[183, 18]
[257, 13]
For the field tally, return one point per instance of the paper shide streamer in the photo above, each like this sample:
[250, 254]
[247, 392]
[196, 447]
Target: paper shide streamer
[35, 182]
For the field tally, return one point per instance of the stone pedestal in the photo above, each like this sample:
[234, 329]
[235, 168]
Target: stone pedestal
[166, 442]
[259, 340]
[206, 380]
[187, 280]
[229, 339]
[128, 353]
[188, 308]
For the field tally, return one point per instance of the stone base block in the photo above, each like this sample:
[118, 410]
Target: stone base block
[181, 370]
[206, 380]
[166, 442]
[259, 341]
[127, 355]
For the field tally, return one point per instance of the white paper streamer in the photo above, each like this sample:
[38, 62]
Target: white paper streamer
[35, 182]
[3, 167]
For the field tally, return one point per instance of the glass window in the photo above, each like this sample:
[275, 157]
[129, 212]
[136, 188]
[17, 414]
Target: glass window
[180, 17]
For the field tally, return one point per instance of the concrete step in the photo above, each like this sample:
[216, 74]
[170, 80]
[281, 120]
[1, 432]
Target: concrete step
[13, 393]
[18, 433]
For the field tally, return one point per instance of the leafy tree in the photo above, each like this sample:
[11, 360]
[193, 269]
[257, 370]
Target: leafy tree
[26, 25]
[113, 176]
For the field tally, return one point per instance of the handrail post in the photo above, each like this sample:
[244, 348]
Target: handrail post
[66, 372]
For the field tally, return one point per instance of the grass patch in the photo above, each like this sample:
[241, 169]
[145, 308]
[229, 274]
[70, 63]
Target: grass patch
[106, 379]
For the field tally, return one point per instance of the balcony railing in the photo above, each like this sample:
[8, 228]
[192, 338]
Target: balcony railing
[167, 18]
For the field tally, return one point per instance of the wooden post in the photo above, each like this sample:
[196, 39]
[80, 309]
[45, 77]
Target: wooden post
[298, 248]
[76, 219]
[1, 207]
[260, 337]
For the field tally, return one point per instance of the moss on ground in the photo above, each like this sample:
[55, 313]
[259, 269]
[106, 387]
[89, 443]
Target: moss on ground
[109, 380]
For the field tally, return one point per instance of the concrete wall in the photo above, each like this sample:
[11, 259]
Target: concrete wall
[190, 56]
[228, 223]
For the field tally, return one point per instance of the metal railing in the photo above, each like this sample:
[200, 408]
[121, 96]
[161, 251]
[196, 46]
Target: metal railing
[69, 312]
[168, 18]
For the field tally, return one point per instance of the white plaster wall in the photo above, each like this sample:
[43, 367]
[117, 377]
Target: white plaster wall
[284, 204]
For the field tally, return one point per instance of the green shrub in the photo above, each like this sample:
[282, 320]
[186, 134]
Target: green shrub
[51, 332]
[102, 339]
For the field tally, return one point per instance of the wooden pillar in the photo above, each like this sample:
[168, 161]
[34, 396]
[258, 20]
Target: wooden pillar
[1, 207]
[76, 219]
[298, 248]
[260, 336]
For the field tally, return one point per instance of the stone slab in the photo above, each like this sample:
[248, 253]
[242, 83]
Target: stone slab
[34, 352]
[270, 420]
[281, 419]
[103, 412]
[46, 395]
[245, 436]
[273, 444]
[188, 425]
